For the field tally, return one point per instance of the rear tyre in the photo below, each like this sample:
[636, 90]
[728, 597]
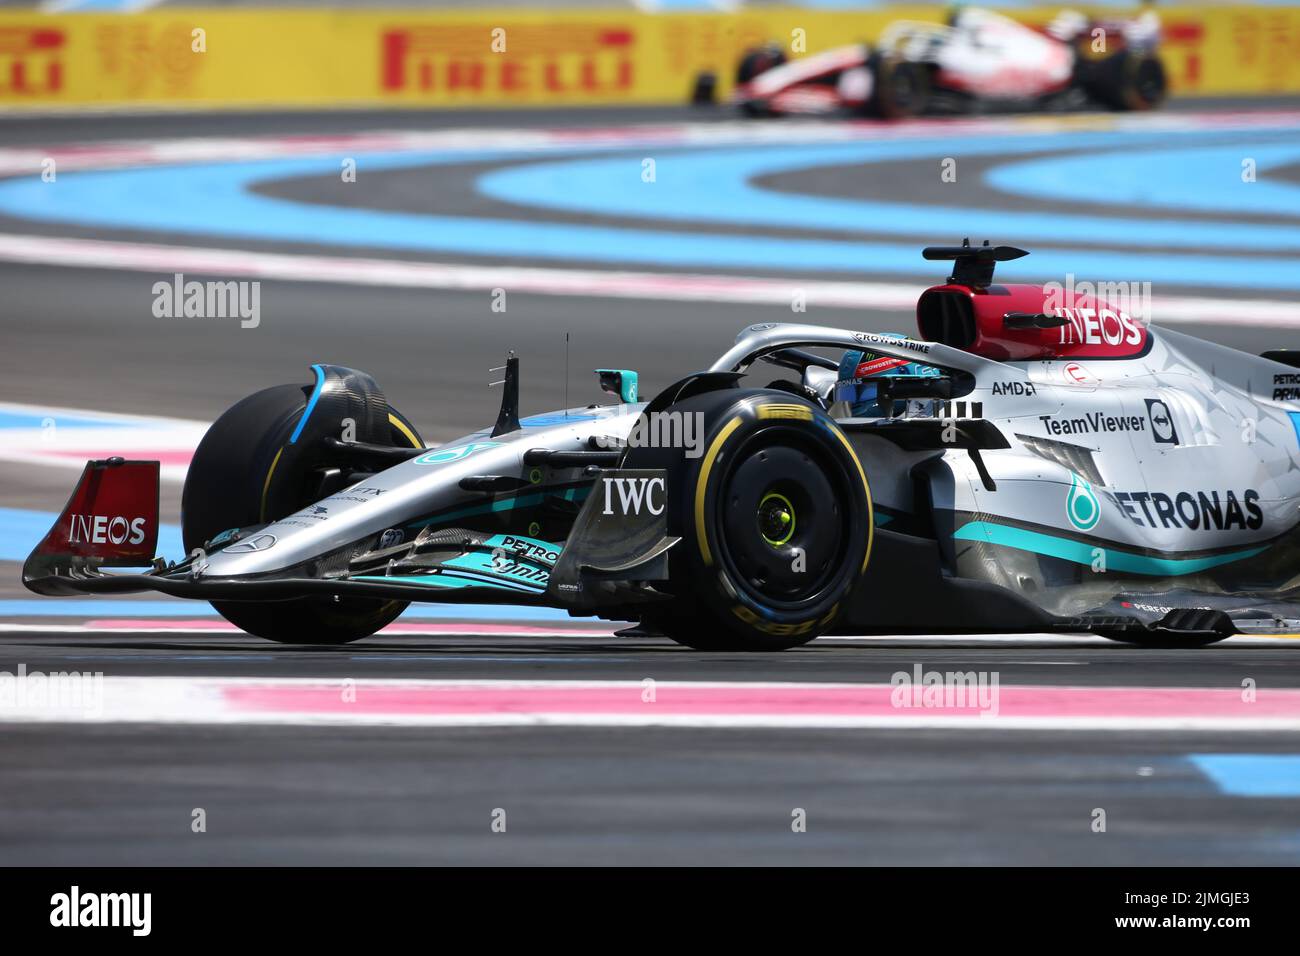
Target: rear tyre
[900, 88]
[1127, 81]
[245, 473]
[774, 519]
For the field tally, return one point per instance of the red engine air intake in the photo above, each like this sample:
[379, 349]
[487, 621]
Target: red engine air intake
[976, 321]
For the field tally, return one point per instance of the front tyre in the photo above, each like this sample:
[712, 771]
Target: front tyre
[757, 61]
[246, 472]
[774, 518]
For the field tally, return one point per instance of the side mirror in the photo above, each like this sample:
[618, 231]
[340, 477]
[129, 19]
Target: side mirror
[620, 382]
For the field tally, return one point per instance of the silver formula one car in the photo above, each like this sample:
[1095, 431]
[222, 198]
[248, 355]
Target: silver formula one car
[1038, 459]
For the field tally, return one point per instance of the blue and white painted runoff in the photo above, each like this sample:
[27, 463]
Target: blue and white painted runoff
[1198, 178]
[719, 186]
[705, 176]
[1251, 775]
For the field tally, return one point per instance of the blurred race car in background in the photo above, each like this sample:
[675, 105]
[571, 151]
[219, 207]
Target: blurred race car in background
[979, 60]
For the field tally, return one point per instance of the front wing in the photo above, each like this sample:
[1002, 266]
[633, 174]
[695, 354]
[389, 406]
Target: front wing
[615, 552]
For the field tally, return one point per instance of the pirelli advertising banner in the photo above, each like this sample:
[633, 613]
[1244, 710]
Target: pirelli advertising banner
[407, 58]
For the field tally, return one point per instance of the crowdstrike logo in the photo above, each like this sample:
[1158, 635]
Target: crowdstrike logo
[75, 909]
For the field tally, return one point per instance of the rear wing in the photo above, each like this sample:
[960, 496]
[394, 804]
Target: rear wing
[111, 520]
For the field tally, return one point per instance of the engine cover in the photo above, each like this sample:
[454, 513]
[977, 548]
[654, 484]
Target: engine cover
[974, 319]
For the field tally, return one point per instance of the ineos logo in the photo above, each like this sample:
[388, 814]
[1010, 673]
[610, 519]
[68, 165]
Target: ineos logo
[100, 529]
[633, 493]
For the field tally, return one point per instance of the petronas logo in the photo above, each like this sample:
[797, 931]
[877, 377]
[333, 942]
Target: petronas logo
[1082, 507]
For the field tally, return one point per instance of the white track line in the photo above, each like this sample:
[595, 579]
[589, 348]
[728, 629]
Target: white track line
[494, 703]
[116, 154]
[1043, 641]
[682, 287]
[104, 434]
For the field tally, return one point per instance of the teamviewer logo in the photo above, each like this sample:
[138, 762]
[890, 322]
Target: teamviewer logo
[1162, 423]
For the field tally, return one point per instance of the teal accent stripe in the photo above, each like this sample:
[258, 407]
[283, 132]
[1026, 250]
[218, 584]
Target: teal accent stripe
[480, 565]
[503, 504]
[429, 580]
[508, 504]
[460, 578]
[1081, 553]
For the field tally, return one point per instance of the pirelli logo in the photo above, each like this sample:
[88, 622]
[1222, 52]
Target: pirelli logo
[797, 412]
[31, 61]
[961, 409]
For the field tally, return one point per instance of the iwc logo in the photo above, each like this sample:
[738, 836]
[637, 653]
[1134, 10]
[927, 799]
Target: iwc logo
[1082, 507]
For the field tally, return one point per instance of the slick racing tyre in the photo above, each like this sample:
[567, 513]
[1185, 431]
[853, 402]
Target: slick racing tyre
[900, 89]
[1127, 81]
[774, 519]
[246, 472]
[754, 63]
[758, 60]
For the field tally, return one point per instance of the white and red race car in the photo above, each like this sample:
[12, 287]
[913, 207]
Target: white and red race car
[978, 60]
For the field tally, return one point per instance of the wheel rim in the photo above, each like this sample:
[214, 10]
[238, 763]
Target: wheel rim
[782, 520]
[776, 519]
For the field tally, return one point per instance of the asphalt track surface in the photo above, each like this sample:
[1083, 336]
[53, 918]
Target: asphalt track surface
[122, 792]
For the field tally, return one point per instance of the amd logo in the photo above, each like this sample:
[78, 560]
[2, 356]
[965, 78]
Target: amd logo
[100, 529]
[635, 493]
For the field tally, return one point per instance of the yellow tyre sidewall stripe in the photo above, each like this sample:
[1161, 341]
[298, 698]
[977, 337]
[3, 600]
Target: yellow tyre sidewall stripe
[702, 483]
[402, 427]
[266, 485]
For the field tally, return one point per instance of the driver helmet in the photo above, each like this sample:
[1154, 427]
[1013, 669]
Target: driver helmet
[858, 380]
